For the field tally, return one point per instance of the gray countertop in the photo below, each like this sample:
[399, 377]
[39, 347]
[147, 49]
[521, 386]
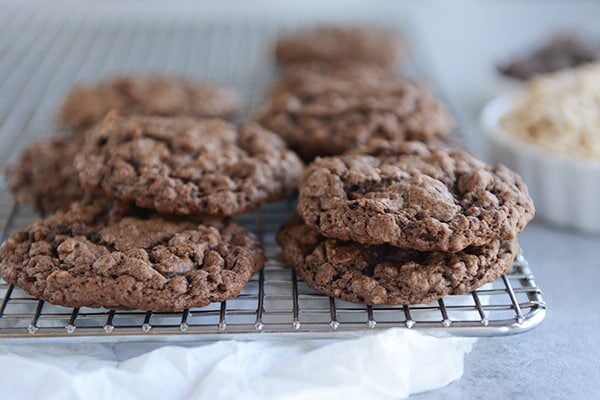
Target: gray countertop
[560, 358]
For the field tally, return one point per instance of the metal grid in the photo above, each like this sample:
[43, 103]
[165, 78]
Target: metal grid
[38, 66]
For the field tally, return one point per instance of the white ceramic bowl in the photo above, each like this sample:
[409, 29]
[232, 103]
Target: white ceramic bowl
[566, 190]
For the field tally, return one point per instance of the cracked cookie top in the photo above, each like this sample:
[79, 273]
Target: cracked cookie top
[152, 94]
[187, 166]
[414, 196]
[328, 116]
[311, 78]
[91, 256]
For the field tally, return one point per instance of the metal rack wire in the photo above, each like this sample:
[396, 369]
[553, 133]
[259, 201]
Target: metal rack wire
[39, 65]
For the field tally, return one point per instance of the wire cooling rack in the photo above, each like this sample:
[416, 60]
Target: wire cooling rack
[40, 64]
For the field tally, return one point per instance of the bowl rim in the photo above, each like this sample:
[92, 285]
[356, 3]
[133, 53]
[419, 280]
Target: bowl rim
[489, 121]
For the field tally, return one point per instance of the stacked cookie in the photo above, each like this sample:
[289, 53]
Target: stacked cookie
[187, 166]
[398, 213]
[45, 176]
[404, 223]
[145, 197]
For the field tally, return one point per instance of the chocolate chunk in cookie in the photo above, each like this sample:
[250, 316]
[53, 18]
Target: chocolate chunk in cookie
[338, 45]
[45, 175]
[146, 95]
[414, 196]
[187, 166]
[342, 112]
[88, 257]
[382, 274]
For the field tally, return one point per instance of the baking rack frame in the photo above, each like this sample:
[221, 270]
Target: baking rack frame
[44, 62]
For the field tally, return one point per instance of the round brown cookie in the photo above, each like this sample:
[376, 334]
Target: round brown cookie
[332, 117]
[87, 257]
[414, 196]
[337, 45]
[146, 95]
[309, 78]
[45, 175]
[186, 166]
[382, 274]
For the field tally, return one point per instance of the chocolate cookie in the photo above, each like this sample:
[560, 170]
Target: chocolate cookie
[45, 175]
[560, 52]
[146, 95]
[414, 196]
[382, 274]
[334, 116]
[338, 45]
[87, 257]
[187, 166]
[308, 78]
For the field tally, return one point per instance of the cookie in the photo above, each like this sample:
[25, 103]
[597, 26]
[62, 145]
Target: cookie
[563, 51]
[307, 78]
[382, 274]
[187, 166]
[45, 175]
[414, 196]
[146, 95]
[338, 45]
[86, 257]
[332, 117]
